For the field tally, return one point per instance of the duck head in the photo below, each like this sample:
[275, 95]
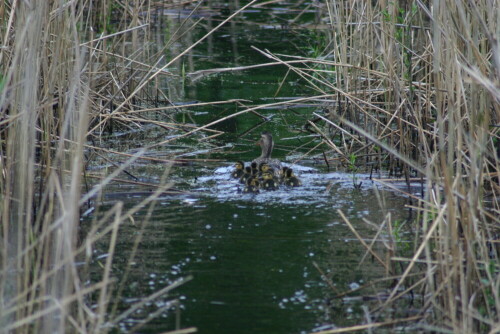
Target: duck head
[263, 167]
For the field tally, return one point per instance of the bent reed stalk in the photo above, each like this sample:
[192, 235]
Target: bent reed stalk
[418, 84]
[65, 68]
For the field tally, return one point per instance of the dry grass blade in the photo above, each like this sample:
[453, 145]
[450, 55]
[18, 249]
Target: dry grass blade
[368, 248]
[389, 149]
[151, 77]
[183, 331]
[56, 78]
[203, 127]
[369, 326]
[157, 294]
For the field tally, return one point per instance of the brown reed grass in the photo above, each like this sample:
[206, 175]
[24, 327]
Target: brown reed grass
[418, 84]
[69, 72]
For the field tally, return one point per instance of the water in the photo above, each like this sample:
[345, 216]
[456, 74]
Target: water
[252, 257]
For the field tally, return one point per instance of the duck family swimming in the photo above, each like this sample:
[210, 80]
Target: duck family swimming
[264, 172]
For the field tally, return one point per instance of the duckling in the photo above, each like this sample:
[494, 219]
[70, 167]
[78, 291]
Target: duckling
[290, 179]
[266, 143]
[239, 170]
[282, 174]
[263, 168]
[266, 169]
[252, 185]
[269, 181]
[246, 174]
[255, 168]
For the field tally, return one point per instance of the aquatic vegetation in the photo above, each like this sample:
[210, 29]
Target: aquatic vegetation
[353, 168]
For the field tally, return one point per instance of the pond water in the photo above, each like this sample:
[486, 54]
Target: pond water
[253, 258]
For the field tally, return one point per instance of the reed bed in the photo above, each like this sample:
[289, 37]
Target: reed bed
[71, 72]
[415, 90]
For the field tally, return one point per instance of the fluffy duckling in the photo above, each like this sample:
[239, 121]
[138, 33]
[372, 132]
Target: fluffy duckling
[266, 168]
[269, 182]
[263, 167]
[246, 174]
[252, 185]
[255, 168]
[239, 170]
[282, 174]
[290, 179]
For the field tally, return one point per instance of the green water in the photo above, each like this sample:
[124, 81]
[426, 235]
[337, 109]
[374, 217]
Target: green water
[251, 256]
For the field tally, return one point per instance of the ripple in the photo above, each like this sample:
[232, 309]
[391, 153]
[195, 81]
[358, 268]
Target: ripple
[317, 188]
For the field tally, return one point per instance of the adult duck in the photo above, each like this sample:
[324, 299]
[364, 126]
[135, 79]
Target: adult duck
[267, 144]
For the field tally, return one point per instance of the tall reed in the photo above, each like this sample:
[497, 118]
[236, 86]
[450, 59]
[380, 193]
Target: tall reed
[62, 72]
[417, 91]
[425, 89]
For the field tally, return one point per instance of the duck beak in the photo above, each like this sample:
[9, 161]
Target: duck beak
[258, 142]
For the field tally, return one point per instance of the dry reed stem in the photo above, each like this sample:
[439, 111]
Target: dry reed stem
[389, 149]
[51, 93]
[368, 248]
[375, 238]
[369, 326]
[150, 298]
[149, 78]
[327, 140]
[234, 115]
[183, 331]
[306, 154]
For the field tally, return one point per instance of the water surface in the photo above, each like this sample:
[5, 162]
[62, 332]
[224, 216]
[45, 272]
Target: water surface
[252, 256]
